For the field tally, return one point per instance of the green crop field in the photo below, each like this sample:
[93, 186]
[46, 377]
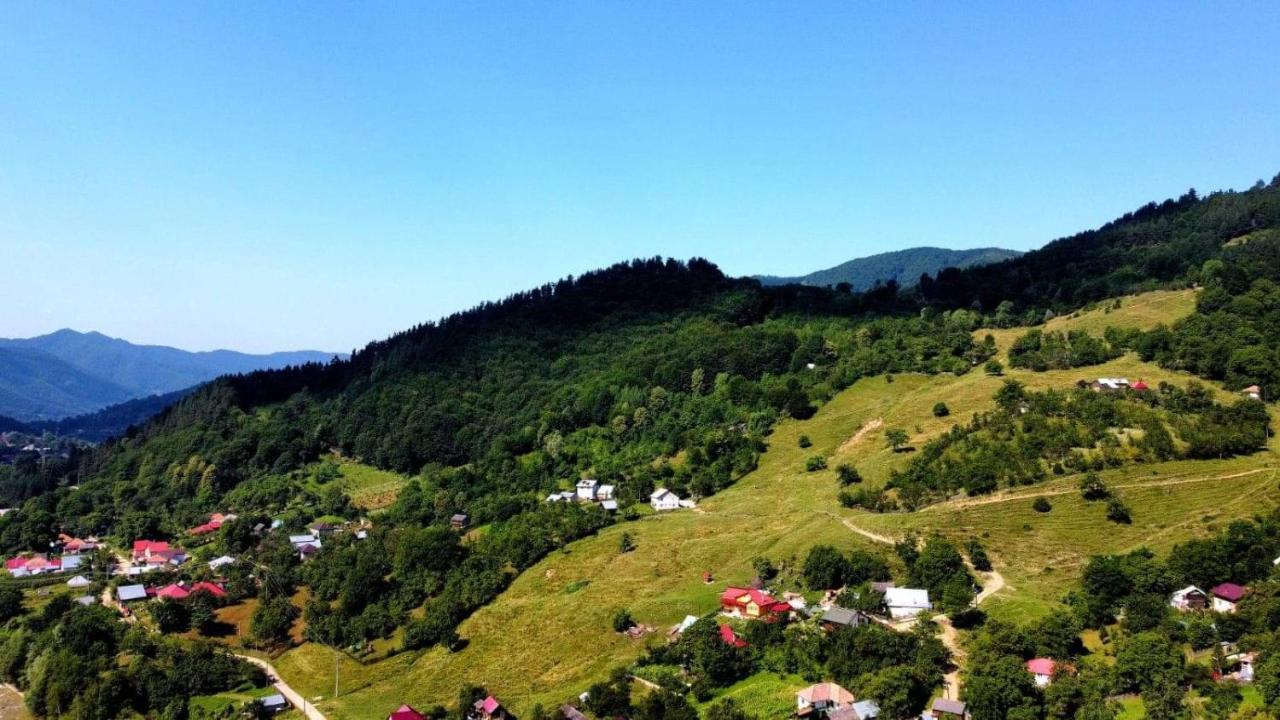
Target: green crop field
[548, 636]
[368, 487]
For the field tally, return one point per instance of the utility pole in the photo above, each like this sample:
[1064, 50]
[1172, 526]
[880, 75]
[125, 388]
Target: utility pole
[336, 657]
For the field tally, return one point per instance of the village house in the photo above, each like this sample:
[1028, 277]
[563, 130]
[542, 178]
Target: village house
[683, 625]
[947, 709]
[731, 638]
[157, 553]
[1253, 392]
[570, 712]
[489, 709]
[1225, 597]
[274, 703]
[1189, 598]
[587, 489]
[221, 562]
[459, 522]
[562, 496]
[320, 529]
[305, 545]
[753, 604]
[131, 593]
[216, 521]
[906, 602]
[406, 712]
[860, 710]
[1112, 384]
[604, 493]
[609, 506]
[664, 499]
[1041, 670]
[79, 581]
[823, 699]
[838, 617]
[74, 545]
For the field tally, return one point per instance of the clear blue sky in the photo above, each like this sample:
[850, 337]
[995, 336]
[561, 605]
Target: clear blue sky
[283, 175]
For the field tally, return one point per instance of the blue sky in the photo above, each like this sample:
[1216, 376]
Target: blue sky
[285, 175]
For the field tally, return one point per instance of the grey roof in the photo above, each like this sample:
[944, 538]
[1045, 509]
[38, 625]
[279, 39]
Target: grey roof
[131, 592]
[274, 701]
[70, 562]
[86, 600]
[866, 709]
[946, 705]
[572, 713]
[840, 616]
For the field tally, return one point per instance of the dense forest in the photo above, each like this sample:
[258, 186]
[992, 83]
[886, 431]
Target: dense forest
[655, 373]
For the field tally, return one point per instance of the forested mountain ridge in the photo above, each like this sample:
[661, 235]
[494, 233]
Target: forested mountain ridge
[903, 267]
[68, 373]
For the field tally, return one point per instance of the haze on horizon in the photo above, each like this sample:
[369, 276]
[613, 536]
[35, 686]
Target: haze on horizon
[319, 175]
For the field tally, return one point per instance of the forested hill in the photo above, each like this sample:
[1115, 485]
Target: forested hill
[903, 267]
[618, 370]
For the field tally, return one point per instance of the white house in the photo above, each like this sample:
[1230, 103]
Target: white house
[222, 561]
[1189, 598]
[587, 489]
[1225, 597]
[664, 499]
[79, 581]
[906, 602]
[564, 496]
[604, 492]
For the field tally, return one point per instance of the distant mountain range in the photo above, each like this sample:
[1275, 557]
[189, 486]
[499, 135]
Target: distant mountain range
[69, 373]
[902, 266]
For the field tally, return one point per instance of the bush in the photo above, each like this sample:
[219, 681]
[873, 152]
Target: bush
[848, 474]
[993, 367]
[815, 463]
[625, 543]
[1092, 487]
[941, 410]
[1041, 505]
[1118, 512]
[622, 620]
[805, 441]
[978, 556]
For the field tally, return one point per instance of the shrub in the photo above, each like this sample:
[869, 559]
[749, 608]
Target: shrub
[622, 620]
[805, 441]
[626, 543]
[941, 410]
[993, 367]
[1041, 505]
[1092, 487]
[848, 474]
[815, 463]
[978, 556]
[1118, 512]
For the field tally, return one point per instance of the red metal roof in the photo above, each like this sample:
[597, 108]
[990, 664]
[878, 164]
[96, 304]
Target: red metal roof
[730, 637]
[406, 712]
[1230, 592]
[1041, 666]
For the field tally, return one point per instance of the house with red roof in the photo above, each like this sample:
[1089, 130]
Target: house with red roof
[213, 589]
[1225, 597]
[1042, 670]
[731, 638]
[157, 553]
[753, 604]
[33, 565]
[406, 712]
[215, 522]
[173, 592]
[489, 709]
[1140, 386]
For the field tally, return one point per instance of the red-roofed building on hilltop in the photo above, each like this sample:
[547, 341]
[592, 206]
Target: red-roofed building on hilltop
[753, 604]
[1225, 597]
[406, 712]
[154, 553]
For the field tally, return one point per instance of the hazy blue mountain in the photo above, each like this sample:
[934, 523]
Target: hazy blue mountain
[38, 386]
[69, 373]
[903, 266]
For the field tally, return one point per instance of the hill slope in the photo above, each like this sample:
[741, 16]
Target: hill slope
[901, 266]
[72, 373]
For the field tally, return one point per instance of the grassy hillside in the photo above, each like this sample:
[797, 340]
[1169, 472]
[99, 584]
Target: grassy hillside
[547, 637]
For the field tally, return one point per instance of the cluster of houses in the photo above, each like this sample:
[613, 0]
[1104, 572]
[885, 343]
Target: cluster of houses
[1117, 384]
[829, 701]
[487, 708]
[178, 591]
[68, 555]
[588, 490]
[152, 555]
[1221, 598]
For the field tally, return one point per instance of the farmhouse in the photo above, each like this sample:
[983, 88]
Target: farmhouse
[221, 561]
[587, 489]
[215, 522]
[406, 712]
[489, 709]
[664, 499]
[861, 710]
[79, 581]
[947, 709]
[563, 496]
[906, 602]
[1042, 670]
[1253, 392]
[731, 638]
[1189, 598]
[753, 604]
[604, 492]
[131, 593]
[75, 546]
[1110, 384]
[822, 699]
[157, 553]
[1225, 597]
[838, 617]
[274, 703]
